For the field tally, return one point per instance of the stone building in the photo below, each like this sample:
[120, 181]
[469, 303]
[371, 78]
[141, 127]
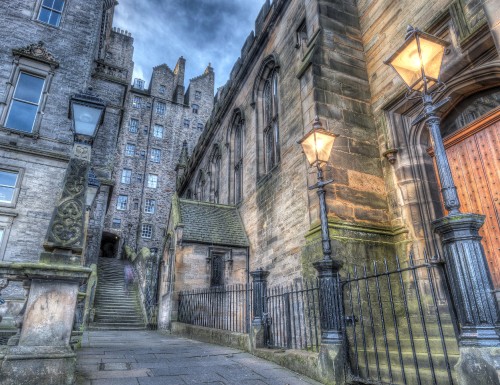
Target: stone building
[325, 58]
[157, 123]
[50, 52]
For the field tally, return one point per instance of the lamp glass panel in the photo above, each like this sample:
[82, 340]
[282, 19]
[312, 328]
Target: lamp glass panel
[91, 193]
[86, 119]
[317, 147]
[432, 57]
[408, 64]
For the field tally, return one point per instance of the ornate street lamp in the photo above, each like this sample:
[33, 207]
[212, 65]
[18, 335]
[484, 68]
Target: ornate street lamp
[418, 62]
[317, 145]
[86, 113]
[65, 237]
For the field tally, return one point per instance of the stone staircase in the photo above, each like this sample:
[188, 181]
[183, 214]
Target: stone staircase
[114, 309]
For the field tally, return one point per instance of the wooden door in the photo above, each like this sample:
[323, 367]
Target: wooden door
[474, 156]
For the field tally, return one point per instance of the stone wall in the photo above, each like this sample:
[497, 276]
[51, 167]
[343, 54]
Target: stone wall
[42, 156]
[324, 75]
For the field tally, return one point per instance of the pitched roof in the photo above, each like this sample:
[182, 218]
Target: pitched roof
[210, 223]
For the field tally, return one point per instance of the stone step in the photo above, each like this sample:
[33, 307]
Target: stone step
[114, 326]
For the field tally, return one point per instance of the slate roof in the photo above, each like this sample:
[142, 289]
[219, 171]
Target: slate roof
[211, 223]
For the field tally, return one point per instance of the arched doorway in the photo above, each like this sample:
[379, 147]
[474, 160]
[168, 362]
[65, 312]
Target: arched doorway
[474, 102]
[110, 244]
[472, 141]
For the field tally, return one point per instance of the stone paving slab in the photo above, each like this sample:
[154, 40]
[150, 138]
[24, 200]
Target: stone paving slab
[152, 358]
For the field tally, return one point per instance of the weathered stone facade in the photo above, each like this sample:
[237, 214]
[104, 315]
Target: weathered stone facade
[328, 57]
[156, 123]
[69, 56]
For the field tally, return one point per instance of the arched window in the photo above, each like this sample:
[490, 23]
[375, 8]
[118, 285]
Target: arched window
[200, 187]
[238, 158]
[215, 162]
[271, 122]
[266, 101]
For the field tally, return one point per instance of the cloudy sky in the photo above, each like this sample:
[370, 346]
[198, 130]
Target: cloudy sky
[203, 31]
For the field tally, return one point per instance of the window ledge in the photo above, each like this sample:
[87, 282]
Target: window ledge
[7, 213]
[265, 178]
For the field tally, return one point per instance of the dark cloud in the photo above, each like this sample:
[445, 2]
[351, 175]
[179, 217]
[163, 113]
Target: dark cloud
[203, 31]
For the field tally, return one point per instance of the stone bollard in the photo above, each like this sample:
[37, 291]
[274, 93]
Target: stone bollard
[259, 308]
[332, 358]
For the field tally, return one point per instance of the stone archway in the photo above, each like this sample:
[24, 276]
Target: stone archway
[414, 172]
[110, 244]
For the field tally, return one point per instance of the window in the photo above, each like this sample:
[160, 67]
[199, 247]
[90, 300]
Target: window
[187, 123]
[126, 176]
[302, 36]
[136, 101]
[215, 161]
[150, 206]
[136, 204]
[51, 11]
[197, 95]
[146, 129]
[147, 231]
[139, 178]
[116, 223]
[200, 187]
[152, 181]
[122, 202]
[130, 149]
[201, 126]
[143, 154]
[271, 126]
[8, 184]
[238, 158]
[155, 155]
[138, 83]
[195, 108]
[217, 269]
[160, 108]
[158, 131]
[133, 125]
[162, 90]
[25, 101]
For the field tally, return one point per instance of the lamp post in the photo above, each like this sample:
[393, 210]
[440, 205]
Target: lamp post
[418, 63]
[317, 145]
[66, 234]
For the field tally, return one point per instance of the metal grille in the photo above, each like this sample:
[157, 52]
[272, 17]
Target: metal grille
[292, 317]
[224, 307]
[398, 324]
[217, 278]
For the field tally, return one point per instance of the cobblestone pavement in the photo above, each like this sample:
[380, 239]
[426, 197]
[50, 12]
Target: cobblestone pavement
[151, 358]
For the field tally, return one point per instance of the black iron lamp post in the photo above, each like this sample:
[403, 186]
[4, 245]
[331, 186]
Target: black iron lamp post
[65, 237]
[317, 145]
[418, 62]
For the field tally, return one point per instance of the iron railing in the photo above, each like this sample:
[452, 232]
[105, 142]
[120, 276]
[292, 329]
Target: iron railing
[399, 327]
[222, 307]
[292, 316]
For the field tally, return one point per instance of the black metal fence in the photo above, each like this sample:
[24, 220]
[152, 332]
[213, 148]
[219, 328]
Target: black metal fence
[292, 317]
[399, 327]
[224, 307]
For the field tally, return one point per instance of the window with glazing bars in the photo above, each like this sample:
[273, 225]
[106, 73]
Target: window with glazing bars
[51, 12]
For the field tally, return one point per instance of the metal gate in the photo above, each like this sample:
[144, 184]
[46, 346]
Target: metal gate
[398, 325]
[291, 316]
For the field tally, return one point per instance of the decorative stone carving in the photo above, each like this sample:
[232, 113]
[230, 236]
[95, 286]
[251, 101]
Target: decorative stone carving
[67, 227]
[82, 151]
[37, 51]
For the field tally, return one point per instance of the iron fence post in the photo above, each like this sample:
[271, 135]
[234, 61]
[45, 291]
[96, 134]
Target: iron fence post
[330, 308]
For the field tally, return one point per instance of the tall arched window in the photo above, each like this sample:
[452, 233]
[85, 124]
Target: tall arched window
[238, 158]
[215, 162]
[271, 121]
[266, 102]
[200, 187]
